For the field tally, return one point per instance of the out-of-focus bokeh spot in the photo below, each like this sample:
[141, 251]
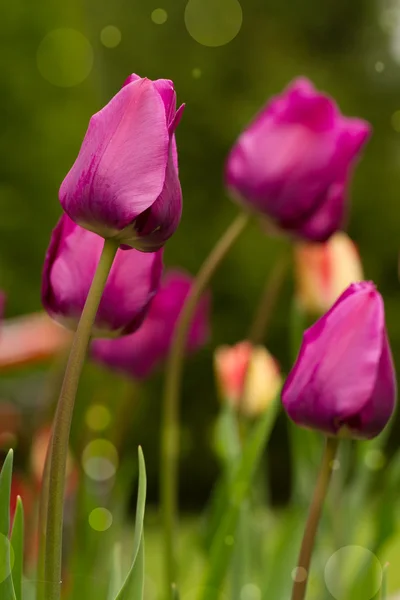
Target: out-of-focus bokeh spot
[98, 417]
[299, 574]
[100, 460]
[354, 558]
[196, 73]
[213, 22]
[65, 57]
[375, 459]
[159, 16]
[250, 591]
[100, 519]
[110, 36]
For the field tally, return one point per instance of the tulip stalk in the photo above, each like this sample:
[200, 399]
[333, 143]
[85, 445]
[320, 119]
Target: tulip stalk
[170, 419]
[268, 300]
[321, 488]
[62, 424]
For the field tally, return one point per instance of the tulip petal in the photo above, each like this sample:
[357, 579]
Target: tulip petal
[294, 159]
[140, 353]
[69, 269]
[120, 169]
[335, 375]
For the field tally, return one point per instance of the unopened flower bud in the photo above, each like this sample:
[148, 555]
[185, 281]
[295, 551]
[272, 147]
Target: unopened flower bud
[248, 377]
[324, 271]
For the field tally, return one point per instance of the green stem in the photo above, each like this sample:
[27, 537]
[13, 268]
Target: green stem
[42, 521]
[170, 423]
[62, 424]
[268, 300]
[321, 488]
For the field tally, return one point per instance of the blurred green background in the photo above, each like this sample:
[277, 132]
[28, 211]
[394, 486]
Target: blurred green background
[61, 62]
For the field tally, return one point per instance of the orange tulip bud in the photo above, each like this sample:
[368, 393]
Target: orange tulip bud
[248, 377]
[324, 271]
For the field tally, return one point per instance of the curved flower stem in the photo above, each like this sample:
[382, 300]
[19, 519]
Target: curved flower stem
[321, 488]
[170, 422]
[62, 424]
[43, 502]
[268, 300]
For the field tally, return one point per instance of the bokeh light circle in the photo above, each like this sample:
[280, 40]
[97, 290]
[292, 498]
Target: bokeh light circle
[6, 558]
[98, 417]
[100, 519]
[213, 22]
[110, 36]
[100, 460]
[361, 558]
[196, 73]
[299, 574]
[250, 591]
[65, 57]
[375, 459]
[159, 16]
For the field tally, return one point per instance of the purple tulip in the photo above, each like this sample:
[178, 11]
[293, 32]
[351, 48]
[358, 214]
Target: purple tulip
[344, 380]
[139, 354]
[293, 163]
[69, 267]
[124, 183]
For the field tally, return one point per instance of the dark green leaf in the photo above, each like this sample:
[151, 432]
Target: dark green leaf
[17, 543]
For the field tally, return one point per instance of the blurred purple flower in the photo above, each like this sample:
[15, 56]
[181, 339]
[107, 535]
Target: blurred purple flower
[140, 353]
[344, 380]
[293, 163]
[124, 183]
[69, 267]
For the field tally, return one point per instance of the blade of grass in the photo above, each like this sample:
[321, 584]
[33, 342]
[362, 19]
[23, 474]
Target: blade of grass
[6, 585]
[134, 583]
[17, 544]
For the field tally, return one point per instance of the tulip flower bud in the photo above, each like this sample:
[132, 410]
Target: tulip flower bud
[69, 269]
[248, 377]
[293, 163]
[344, 380]
[324, 271]
[137, 355]
[124, 183]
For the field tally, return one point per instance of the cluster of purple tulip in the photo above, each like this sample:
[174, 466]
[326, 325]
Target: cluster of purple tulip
[290, 169]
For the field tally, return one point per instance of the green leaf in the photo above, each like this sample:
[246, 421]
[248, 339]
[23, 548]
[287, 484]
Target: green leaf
[6, 584]
[17, 543]
[229, 451]
[241, 559]
[222, 546]
[284, 544]
[384, 591]
[175, 592]
[116, 572]
[5, 491]
[134, 583]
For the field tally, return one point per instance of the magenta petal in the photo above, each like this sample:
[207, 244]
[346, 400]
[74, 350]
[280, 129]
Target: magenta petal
[140, 353]
[294, 158]
[343, 367]
[69, 268]
[120, 169]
